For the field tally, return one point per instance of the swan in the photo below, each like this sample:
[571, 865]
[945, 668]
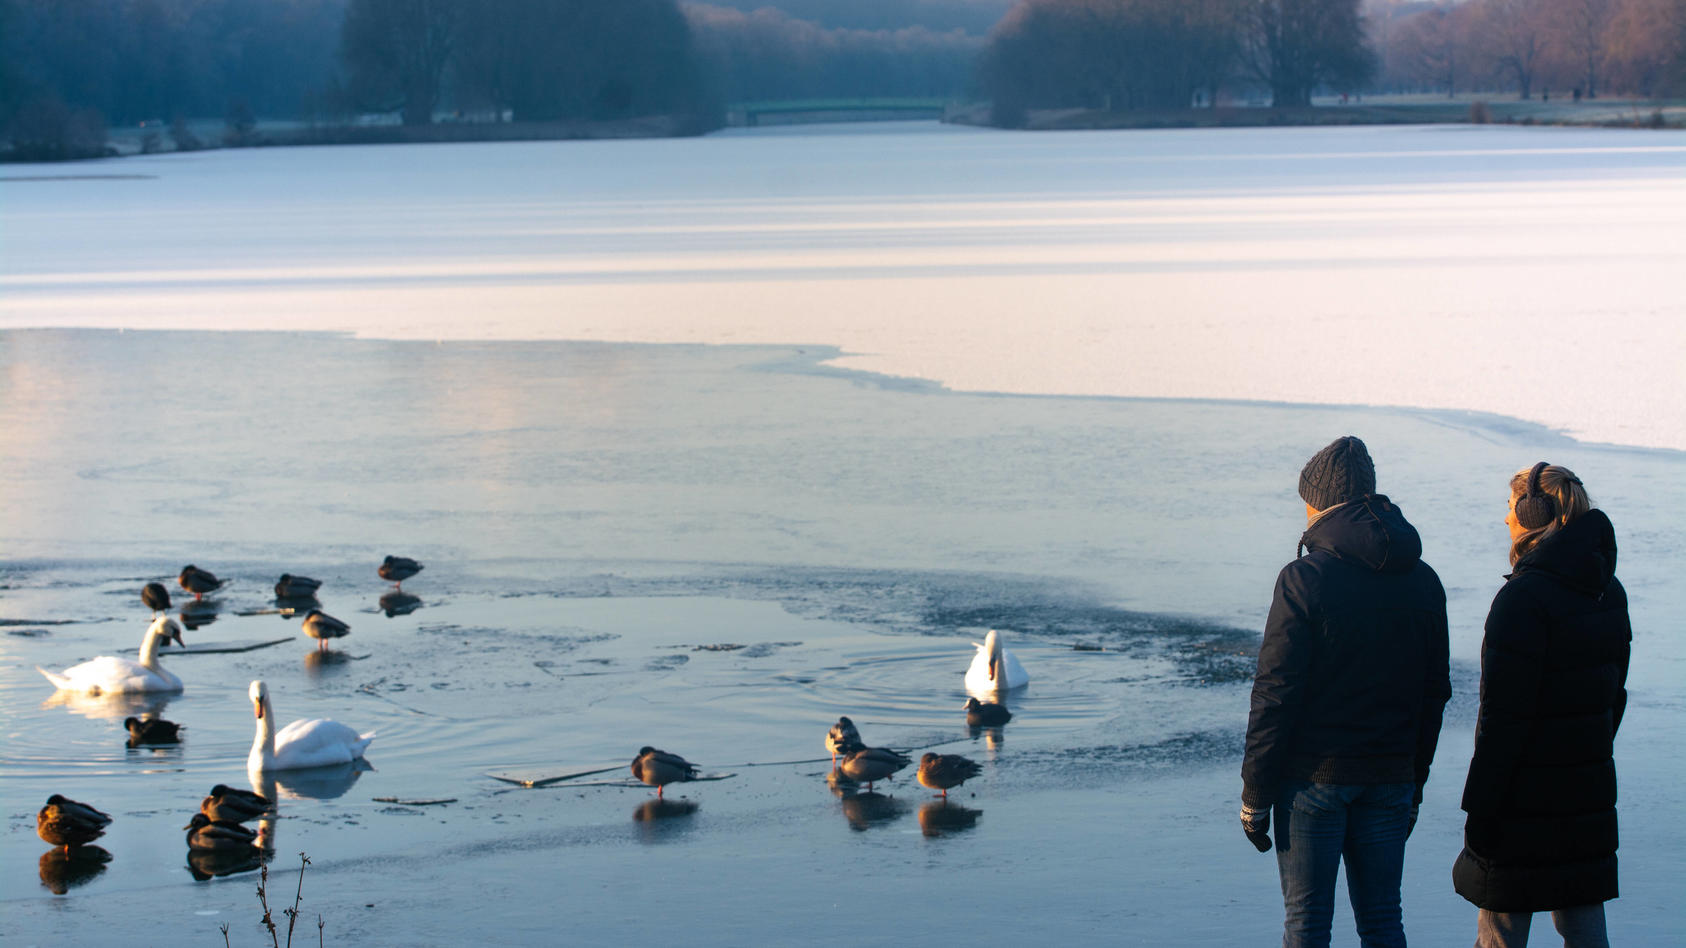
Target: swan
[314, 743]
[994, 669]
[946, 771]
[109, 675]
[659, 768]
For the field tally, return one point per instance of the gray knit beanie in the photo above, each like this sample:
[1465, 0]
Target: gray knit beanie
[1337, 474]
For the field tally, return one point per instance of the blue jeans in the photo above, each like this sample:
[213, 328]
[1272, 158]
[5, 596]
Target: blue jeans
[1318, 825]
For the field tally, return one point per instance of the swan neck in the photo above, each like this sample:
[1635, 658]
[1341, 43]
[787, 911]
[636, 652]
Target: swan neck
[263, 744]
[149, 648]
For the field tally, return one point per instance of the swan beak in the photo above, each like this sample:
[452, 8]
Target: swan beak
[176, 634]
[257, 710]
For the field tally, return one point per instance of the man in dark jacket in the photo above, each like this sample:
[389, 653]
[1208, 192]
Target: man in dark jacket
[1347, 702]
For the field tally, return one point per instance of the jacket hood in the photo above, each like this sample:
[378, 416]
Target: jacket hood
[1582, 554]
[1369, 531]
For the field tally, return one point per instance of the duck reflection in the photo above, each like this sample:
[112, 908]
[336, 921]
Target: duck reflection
[111, 707]
[322, 662]
[62, 871]
[660, 819]
[200, 613]
[942, 818]
[868, 809]
[206, 864]
[309, 783]
[395, 603]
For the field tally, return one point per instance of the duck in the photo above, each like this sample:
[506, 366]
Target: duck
[659, 768]
[843, 739]
[946, 771]
[994, 669]
[198, 581]
[986, 713]
[65, 822]
[110, 675]
[872, 764]
[204, 833]
[322, 627]
[152, 731]
[316, 742]
[228, 805]
[156, 597]
[296, 587]
[396, 569]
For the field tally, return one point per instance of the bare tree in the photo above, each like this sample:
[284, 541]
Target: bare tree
[397, 51]
[1514, 35]
[1296, 46]
[1583, 25]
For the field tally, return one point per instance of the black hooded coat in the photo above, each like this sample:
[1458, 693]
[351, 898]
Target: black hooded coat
[1541, 793]
[1352, 675]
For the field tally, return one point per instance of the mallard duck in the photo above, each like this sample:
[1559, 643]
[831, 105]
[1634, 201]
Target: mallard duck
[198, 581]
[305, 743]
[396, 569]
[156, 597]
[986, 713]
[994, 669]
[872, 764]
[842, 739]
[228, 805]
[204, 833]
[945, 771]
[64, 822]
[151, 731]
[109, 675]
[322, 627]
[659, 768]
[296, 587]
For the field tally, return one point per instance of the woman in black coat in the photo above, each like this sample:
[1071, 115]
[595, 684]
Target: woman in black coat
[1541, 793]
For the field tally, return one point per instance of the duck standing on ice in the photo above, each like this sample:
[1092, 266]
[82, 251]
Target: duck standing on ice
[994, 669]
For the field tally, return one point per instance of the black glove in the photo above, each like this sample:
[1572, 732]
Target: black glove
[1256, 824]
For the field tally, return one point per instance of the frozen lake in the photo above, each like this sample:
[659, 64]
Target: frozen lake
[1423, 267]
[719, 548]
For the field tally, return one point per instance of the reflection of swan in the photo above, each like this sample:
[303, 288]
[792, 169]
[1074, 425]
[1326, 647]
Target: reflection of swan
[872, 764]
[322, 627]
[112, 708]
[395, 603]
[303, 743]
[862, 810]
[940, 817]
[986, 713]
[64, 822]
[842, 739]
[946, 771]
[994, 669]
[63, 870]
[151, 731]
[311, 783]
[198, 581]
[659, 768]
[111, 675]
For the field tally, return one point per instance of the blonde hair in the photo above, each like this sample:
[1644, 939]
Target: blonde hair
[1565, 490]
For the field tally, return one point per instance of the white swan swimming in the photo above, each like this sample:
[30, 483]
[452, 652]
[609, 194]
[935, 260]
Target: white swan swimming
[317, 742]
[994, 669]
[110, 675]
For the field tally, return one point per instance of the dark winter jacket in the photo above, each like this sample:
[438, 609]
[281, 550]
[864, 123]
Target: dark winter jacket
[1541, 793]
[1352, 675]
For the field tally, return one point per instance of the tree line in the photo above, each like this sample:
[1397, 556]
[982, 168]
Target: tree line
[1567, 47]
[68, 67]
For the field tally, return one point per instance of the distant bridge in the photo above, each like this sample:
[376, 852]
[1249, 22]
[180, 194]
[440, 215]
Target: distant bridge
[794, 111]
